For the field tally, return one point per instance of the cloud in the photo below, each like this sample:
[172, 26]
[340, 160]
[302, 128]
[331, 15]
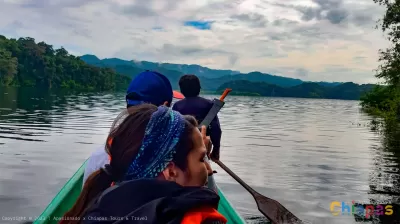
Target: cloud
[316, 40]
[252, 19]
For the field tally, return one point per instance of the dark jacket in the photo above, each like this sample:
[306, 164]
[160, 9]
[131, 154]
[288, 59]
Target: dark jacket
[149, 201]
[199, 108]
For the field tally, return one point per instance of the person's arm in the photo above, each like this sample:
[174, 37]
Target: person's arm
[215, 136]
[96, 161]
[89, 169]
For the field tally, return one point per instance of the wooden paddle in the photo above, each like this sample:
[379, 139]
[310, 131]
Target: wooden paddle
[270, 208]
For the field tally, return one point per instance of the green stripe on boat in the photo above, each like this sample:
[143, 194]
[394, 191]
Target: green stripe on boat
[67, 196]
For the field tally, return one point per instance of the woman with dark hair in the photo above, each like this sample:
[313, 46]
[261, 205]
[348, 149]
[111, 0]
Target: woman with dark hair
[157, 170]
[147, 87]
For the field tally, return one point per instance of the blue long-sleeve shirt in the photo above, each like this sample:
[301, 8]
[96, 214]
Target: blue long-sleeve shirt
[199, 108]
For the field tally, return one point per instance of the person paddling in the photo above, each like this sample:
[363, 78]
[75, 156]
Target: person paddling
[158, 170]
[147, 87]
[199, 107]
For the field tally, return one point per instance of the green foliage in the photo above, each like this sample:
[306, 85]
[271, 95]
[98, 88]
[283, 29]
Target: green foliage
[26, 63]
[390, 57]
[346, 91]
[385, 101]
[8, 67]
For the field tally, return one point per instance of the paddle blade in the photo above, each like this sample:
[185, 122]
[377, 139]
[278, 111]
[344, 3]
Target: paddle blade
[178, 95]
[274, 210]
[270, 208]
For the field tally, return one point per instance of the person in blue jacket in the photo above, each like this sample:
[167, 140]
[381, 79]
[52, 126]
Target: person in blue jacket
[147, 87]
[198, 107]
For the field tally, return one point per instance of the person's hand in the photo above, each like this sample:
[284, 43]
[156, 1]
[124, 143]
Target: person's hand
[206, 140]
[166, 103]
[214, 156]
[208, 144]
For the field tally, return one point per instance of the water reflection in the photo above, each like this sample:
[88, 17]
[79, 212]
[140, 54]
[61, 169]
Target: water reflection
[385, 177]
[44, 137]
[22, 107]
[304, 153]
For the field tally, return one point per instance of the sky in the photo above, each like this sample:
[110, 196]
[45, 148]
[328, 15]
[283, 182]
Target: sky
[313, 40]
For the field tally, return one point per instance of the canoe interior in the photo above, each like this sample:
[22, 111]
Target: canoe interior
[66, 197]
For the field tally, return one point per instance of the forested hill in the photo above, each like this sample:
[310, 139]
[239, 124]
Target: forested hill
[26, 63]
[210, 78]
[347, 91]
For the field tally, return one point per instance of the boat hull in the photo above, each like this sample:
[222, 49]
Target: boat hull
[67, 196]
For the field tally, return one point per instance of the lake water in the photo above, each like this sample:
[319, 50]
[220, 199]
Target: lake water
[304, 153]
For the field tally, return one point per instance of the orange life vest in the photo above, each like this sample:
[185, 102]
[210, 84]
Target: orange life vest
[197, 216]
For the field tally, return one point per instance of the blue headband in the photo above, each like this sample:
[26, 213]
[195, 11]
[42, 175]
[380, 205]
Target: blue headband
[159, 144]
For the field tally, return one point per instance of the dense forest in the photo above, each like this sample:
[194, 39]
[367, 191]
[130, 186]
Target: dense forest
[385, 100]
[26, 63]
[348, 91]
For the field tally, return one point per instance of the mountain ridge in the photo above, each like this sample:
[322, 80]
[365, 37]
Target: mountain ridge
[211, 78]
[347, 90]
[184, 68]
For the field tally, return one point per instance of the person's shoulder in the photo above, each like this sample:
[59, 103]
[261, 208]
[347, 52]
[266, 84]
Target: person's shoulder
[206, 101]
[98, 158]
[99, 152]
[179, 104]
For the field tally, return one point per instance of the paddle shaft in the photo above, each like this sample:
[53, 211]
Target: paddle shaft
[216, 107]
[270, 208]
[240, 181]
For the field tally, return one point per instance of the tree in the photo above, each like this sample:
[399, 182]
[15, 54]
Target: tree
[390, 57]
[386, 100]
[8, 67]
[25, 63]
[61, 52]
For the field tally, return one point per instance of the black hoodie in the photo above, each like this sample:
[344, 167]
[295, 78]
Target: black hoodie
[149, 201]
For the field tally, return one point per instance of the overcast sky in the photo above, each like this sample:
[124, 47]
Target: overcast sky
[316, 40]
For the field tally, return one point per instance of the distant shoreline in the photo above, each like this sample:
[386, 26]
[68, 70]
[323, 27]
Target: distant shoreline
[27, 63]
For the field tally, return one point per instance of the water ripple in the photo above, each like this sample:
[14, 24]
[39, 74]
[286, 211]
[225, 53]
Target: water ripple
[304, 153]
